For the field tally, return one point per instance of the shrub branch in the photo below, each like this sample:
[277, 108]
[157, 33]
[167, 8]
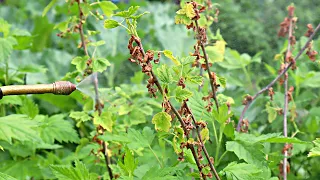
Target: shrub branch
[277, 78]
[286, 95]
[96, 86]
[213, 88]
[175, 111]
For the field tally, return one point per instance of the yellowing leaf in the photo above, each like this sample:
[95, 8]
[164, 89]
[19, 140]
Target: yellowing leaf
[205, 134]
[272, 113]
[190, 11]
[316, 150]
[162, 121]
[63, 26]
[182, 19]
[222, 99]
[169, 55]
[105, 120]
[216, 52]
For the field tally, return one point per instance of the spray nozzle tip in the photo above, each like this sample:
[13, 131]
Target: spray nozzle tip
[63, 87]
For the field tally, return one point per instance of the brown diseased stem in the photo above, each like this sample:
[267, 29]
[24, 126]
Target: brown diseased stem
[213, 88]
[276, 79]
[202, 144]
[95, 83]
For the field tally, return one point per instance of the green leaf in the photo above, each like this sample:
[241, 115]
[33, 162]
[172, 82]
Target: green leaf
[271, 138]
[164, 74]
[62, 26]
[156, 173]
[140, 15]
[229, 131]
[128, 13]
[233, 60]
[18, 127]
[221, 81]
[32, 68]
[182, 94]
[129, 164]
[282, 139]
[80, 116]
[313, 81]
[169, 55]
[105, 120]
[222, 116]
[206, 170]
[197, 105]
[189, 156]
[140, 140]
[80, 62]
[79, 172]
[29, 108]
[107, 7]
[107, 136]
[315, 151]
[56, 128]
[100, 64]
[6, 177]
[248, 152]
[162, 121]
[48, 7]
[5, 49]
[23, 168]
[272, 112]
[109, 24]
[42, 33]
[4, 27]
[241, 171]
[23, 38]
[136, 116]
[13, 100]
[148, 133]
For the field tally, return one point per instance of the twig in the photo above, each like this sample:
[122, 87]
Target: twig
[277, 78]
[96, 87]
[202, 145]
[213, 88]
[286, 99]
[83, 42]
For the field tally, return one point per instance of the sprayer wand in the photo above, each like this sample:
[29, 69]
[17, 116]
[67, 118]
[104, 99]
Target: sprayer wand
[59, 88]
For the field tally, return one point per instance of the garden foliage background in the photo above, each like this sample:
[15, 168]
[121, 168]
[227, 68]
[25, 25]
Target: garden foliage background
[41, 130]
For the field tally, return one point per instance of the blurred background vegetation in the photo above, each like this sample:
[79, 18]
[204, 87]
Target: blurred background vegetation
[247, 26]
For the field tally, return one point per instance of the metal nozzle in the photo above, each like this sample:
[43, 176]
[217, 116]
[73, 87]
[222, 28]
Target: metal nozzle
[63, 87]
[59, 88]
